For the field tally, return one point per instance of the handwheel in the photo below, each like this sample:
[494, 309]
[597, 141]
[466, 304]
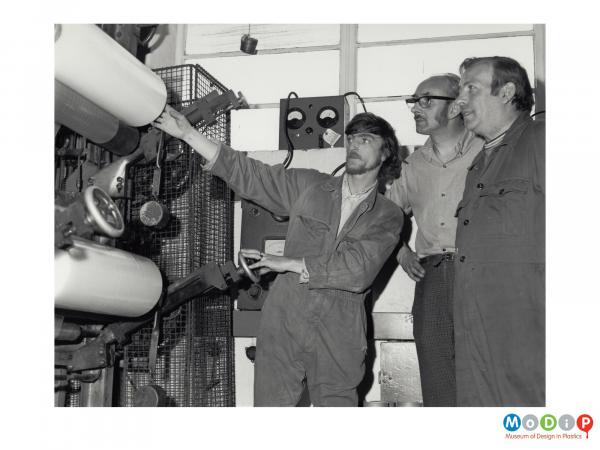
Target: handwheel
[249, 273]
[103, 213]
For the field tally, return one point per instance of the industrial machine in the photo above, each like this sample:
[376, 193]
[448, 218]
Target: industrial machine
[141, 287]
[144, 278]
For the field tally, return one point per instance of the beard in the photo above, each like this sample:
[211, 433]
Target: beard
[356, 166]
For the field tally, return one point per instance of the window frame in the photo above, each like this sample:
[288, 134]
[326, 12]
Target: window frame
[348, 50]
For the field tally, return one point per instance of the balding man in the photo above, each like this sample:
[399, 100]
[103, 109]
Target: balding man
[430, 187]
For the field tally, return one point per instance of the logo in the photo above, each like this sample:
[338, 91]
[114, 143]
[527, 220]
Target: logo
[512, 422]
[530, 422]
[547, 427]
[548, 422]
[585, 423]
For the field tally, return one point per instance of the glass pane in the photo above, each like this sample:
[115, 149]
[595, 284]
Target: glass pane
[202, 39]
[255, 129]
[399, 116]
[377, 33]
[269, 78]
[398, 69]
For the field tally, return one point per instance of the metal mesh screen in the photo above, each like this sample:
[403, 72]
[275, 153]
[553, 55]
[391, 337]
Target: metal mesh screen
[195, 353]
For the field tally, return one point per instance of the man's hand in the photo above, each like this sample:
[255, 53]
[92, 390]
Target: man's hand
[272, 263]
[410, 263]
[174, 123]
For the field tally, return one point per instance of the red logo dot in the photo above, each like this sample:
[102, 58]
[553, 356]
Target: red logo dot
[585, 423]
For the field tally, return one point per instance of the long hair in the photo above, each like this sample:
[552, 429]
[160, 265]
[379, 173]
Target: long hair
[506, 70]
[370, 123]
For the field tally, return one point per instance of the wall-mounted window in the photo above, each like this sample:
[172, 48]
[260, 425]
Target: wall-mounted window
[377, 61]
[388, 70]
[210, 39]
[395, 32]
[268, 78]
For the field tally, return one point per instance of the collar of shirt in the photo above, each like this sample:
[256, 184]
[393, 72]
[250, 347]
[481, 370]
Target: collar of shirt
[461, 148]
[510, 135]
[346, 193]
[351, 201]
[494, 142]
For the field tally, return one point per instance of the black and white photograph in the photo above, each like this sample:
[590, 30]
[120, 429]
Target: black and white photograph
[272, 216]
[312, 211]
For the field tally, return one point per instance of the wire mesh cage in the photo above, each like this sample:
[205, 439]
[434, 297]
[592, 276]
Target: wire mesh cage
[195, 364]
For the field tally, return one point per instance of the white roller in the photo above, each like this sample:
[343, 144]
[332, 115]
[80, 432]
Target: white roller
[94, 278]
[94, 65]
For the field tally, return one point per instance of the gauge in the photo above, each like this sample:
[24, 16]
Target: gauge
[295, 118]
[327, 117]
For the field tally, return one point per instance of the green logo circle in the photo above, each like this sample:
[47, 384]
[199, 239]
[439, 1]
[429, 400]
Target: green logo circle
[548, 422]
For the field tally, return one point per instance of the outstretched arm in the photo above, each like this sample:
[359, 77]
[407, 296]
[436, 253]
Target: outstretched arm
[174, 123]
[272, 187]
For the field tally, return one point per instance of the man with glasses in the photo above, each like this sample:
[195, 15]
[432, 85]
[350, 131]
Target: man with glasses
[500, 270]
[341, 231]
[430, 187]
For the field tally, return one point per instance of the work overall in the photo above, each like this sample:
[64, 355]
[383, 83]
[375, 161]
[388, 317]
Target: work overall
[316, 329]
[499, 295]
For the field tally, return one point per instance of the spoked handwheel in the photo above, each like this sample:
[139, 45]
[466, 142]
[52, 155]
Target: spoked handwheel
[103, 213]
[243, 262]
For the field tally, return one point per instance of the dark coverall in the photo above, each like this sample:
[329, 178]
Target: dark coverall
[499, 294]
[317, 329]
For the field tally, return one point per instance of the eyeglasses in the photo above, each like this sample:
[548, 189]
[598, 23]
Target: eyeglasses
[425, 100]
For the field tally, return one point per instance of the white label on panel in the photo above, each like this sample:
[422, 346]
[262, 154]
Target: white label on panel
[274, 247]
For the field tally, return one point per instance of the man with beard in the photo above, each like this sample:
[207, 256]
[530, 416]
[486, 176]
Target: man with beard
[340, 233]
[430, 187]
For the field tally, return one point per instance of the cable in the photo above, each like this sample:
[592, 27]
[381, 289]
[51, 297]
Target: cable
[538, 112]
[337, 169]
[290, 154]
[359, 97]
